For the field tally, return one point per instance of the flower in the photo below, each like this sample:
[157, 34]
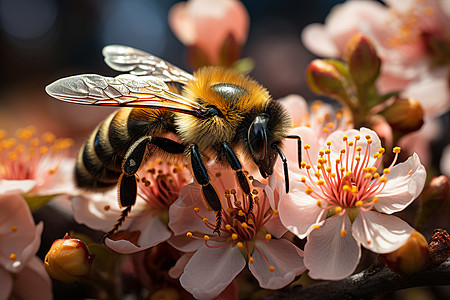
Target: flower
[210, 27]
[409, 37]
[340, 201]
[22, 274]
[244, 237]
[39, 164]
[159, 185]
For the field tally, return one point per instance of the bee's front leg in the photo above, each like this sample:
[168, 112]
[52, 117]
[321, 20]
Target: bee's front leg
[208, 189]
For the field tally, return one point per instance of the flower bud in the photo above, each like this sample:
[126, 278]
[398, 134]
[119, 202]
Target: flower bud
[412, 257]
[433, 196]
[324, 77]
[439, 246]
[363, 61]
[68, 259]
[404, 115]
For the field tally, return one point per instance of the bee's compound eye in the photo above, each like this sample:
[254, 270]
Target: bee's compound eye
[257, 137]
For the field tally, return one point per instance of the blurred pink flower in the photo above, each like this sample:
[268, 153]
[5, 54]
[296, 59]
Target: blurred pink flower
[206, 24]
[146, 226]
[405, 34]
[340, 202]
[22, 274]
[36, 165]
[245, 237]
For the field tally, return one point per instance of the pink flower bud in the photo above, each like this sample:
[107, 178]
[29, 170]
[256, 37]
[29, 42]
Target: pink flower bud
[404, 115]
[433, 196]
[325, 78]
[68, 259]
[363, 61]
[412, 257]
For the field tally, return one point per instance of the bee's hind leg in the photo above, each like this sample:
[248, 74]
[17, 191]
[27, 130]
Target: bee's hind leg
[240, 176]
[208, 189]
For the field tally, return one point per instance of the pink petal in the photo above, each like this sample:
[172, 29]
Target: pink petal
[33, 282]
[184, 243]
[298, 211]
[177, 270]
[61, 182]
[6, 280]
[387, 233]
[283, 256]
[330, 256]
[153, 231]
[317, 40]
[182, 217]
[210, 271]
[404, 184]
[180, 23]
[16, 186]
[445, 161]
[297, 107]
[18, 233]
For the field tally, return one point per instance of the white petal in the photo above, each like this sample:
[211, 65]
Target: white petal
[33, 282]
[210, 271]
[298, 211]
[153, 231]
[386, 233]
[7, 282]
[283, 256]
[330, 256]
[184, 243]
[18, 186]
[404, 183]
[317, 40]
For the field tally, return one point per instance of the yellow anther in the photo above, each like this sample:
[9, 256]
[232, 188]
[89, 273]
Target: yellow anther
[368, 176]
[338, 209]
[307, 146]
[369, 242]
[255, 192]
[333, 175]
[354, 190]
[48, 137]
[383, 179]
[275, 211]
[197, 209]
[189, 234]
[308, 190]
[369, 141]
[319, 203]
[12, 256]
[357, 137]
[381, 150]
[14, 228]
[228, 227]
[350, 143]
[316, 226]
[233, 192]
[206, 237]
[237, 203]
[241, 213]
[250, 221]
[386, 171]
[268, 236]
[357, 158]
[321, 152]
[342, 151]
[359, 203]
[320, 160]
[317, 174]
[376, 175]
[367, 136]
[344, 138]
[396, 150]
[43, 150]
[234, 236]
[106, 208]
[303, 164]
[372, 169]
[330, 125]
[328, 143]
[205, 220]
[342, 169]
[358, 148]
[244, 225]
[410, 172]
[343, 232]
[308, 166]
[320, 182]
[328, 151]
[251, 260]
[303, 179]
[377, 155]
[328, 169]
[271, 268]
[240, 245]
[347, 188]
[338, 160]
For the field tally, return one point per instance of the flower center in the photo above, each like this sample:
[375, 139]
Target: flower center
[23, 156]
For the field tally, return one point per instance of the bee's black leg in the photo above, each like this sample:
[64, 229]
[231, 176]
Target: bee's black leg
[131, 163]
[299, 147]
[208, 190]
[285, 165]
[240, 176]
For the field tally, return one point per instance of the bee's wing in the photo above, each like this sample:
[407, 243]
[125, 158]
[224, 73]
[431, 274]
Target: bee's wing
[123, 90]
[137, 62]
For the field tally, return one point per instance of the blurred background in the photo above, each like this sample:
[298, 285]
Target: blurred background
[43, 40]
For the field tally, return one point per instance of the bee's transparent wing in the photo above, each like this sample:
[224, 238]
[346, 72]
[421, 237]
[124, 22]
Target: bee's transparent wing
[137, 62]
[123, 90]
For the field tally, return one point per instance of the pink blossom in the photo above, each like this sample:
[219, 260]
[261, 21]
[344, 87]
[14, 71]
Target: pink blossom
[404, 34]
[146, 226]
[22, 274]
[207, 24]
[244, 237]
[340, 202]
[36, 165]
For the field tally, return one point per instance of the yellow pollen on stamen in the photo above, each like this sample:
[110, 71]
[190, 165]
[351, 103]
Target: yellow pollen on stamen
[271, 268]
[234, 236]
[321, 152]
[244, 225]
[372, 169]
[251, 260]
[342, 151]
[255, 192]
[240, 245]
[354, 190]
[197, 209]
[320, 182]
[333, 175]
[381, 150]
[350, 143]
[383, 179]
[328, 151]
[308, 190]
[320, 160]
[12, 256]
[342, 169]
[317, 174]
[343, 232]
[303, 179]
[328, 169]
[268, 236]
[359, 203]
[410, 172]
[369, 141]
[375, 199]
[316, 226]
[369, 242]
[396, 149]
[328, 143]
[357, 137]
[275, 211]
[377, 155]
[358, 148]
[307, 146]
[189, 234]
[241, 213]
[250, 221]
[357, 158]
[205, 220]
[107, 207]
[308, 166]
[319, 203]
[347, 188]
[43, 150]
[338, 160]
[206, 237]
[228, 227]
[367, 136]
[233, 192]
[386, 171]
[338, 209]
[368, 176]
[344, 138]
[237, 203]
[303, 164]
[376, 175]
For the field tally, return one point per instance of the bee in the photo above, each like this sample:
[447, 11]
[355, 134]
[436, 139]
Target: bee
[215, 113]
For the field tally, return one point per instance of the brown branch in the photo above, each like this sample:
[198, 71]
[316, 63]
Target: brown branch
[374, 281]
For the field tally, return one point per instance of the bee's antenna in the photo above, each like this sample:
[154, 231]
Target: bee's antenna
[285, 165]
